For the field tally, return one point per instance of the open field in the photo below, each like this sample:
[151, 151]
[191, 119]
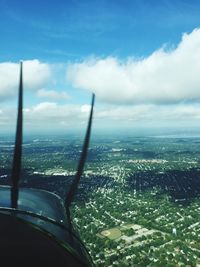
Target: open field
[118, 233]
[113, 233]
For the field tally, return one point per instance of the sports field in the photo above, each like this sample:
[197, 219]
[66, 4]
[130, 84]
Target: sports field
[112, 233]
[117, 232]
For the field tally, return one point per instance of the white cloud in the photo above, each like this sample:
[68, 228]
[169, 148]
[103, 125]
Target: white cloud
[52, 112]
[85, 108]
[55, 117]
[52, 94]
[36, 74]
[164, 77]
[45, 107]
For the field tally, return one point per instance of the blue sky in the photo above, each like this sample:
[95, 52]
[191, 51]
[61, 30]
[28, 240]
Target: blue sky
[57, 31]
[107, 46]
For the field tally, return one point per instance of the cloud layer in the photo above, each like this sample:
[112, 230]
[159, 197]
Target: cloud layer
[52, 94]
[161, 89]
[36, 74]
[165, 77]
[56, 117]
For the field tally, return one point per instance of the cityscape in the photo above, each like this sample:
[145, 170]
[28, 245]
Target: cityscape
[130, 191]
[138, 201]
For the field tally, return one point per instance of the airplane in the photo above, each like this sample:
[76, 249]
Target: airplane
[35, 225]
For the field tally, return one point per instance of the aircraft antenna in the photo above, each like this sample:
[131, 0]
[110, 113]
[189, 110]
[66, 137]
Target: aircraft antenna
[74, 185]
[16, 165]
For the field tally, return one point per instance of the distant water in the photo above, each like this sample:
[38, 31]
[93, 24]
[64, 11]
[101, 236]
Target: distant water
[176, 136]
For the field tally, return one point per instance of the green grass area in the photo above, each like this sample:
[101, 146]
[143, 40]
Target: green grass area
[99, 235]
[126, 226]
[117, 232]
[112, 233]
